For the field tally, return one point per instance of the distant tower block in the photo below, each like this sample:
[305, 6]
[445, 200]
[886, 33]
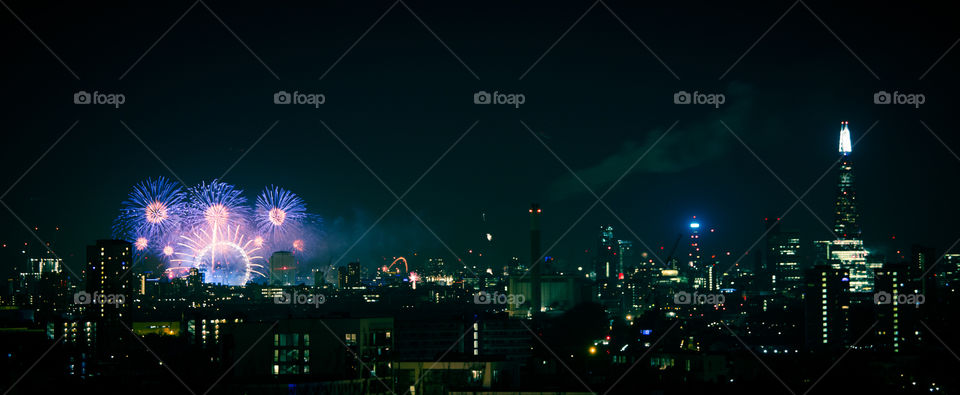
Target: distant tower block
[535, 263]
[283, 267]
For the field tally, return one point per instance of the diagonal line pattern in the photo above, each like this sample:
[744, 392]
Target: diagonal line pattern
[817, 17]
[775, 23]
[158, 40]
[180, 180]
[438, 39]
[40, 40]
[535, 63]
[240, 40]
[841, 357]
[632, 33]
[249, 149]
[43, 243]
[652, 346]
[940, 140]
[775, 175]
[415, 16]
[365, 366]
[240, 358]
[399, 199]
[838, 39]
[599, 198]
[375, 23]
[44, 155]
[34, 365]
[545, 346]
[422, 376]
[745, 346]
[939, 59]
[615, 16]
[789, 209]
[945, 346]
[215, 16]
[164, 364]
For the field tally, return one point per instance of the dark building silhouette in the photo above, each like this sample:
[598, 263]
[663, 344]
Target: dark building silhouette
[826, 308]
[108, 298]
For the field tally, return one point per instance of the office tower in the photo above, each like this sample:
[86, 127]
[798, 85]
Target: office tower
[434, 267]
[318, 278]
[782, 266]
[605, 264]
[536, 301]
[948, 277]
[847, 251]
[348, 277]
[846, 217]
[46, 265]
[109, 295]
[896, 300]
[693, 266]
[625, 263]
[921, 259]
[283, 267]
[608, 271]
[826, 305]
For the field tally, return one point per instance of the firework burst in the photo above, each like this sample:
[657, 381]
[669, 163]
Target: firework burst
[279, 212]
[218, 204]
[211, 228]
[154, 207]
[227, 258]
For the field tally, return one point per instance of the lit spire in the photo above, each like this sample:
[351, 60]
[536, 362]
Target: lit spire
[845, 146]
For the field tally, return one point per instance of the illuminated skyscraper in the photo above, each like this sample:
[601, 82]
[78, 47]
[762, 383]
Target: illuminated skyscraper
[283, 266]
[826, 306]
[108, 296]
[782, 269]
[693, 267]
[606, 263]
[348, 277]
[847, 251]
[607, 269]
[846, 218]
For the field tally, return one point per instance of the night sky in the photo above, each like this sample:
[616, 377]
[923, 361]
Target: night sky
[199, 99]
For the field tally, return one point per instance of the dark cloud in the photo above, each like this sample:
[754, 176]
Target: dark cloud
[687, 145]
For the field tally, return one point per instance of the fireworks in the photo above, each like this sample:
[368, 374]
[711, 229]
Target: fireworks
[218, 204]
[210, 227]
[155, 206]
[226, 259]
[279, 211]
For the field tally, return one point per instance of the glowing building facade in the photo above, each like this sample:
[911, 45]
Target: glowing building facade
[847, 251]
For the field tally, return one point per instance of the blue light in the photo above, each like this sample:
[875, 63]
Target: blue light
[844, 279]
[646, 332]
[694, 225]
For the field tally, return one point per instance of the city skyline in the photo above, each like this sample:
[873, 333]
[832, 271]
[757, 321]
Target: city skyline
[700, 167]
[407, 197]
